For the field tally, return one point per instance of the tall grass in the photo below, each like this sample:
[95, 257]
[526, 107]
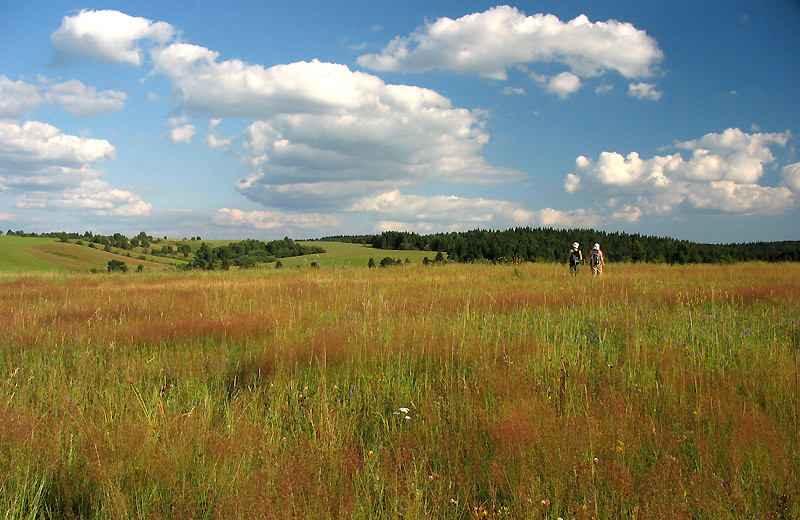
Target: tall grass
[410, 392]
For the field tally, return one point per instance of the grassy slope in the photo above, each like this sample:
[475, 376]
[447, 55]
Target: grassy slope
[343, 254]
[25, 254]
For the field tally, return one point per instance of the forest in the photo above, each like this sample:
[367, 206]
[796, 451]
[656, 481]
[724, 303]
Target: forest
[552, 245]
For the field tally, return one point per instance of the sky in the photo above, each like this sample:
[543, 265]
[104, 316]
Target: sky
[262, 119]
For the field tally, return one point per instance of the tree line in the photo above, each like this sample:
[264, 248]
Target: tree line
[552, 245]
[247, 253]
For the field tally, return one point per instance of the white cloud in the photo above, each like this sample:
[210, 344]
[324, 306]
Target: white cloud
[644, 91]
[442, 209]
[513, 91]
[108, 36]
[326, 132]
[721, 175]
[791, 176]
[47, 168]
[603, 88]
[213, 141]
[16, 98]
[80, 100]
[488, 43]
[268, 220]
[730, 197]
[562, 85]
[628, 213]
[732, 155]
[38, 145]
[397, 211]
[182, 134]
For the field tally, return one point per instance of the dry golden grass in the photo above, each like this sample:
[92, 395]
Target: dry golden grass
[439, 392]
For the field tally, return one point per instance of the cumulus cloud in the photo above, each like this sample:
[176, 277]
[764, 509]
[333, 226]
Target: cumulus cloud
[80, 100]
[488, 43]
[16, 98]
[513, 91]
[47, 168]
[644, 91]
[562, 85]
[108, 36]
[36, 145]
[268, 220]
[791, 176]
[721, 175]
[470, 212]
[395, 210]
[182, 134]
[327, 135]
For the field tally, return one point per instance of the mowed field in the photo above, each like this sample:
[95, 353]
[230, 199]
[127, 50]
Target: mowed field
[448, 391]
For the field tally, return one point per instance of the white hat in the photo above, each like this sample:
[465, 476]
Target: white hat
[575, 245]
[597, 246]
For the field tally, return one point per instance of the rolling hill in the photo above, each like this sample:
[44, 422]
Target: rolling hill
[27, 254]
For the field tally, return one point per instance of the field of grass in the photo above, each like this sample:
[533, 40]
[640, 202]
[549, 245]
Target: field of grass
[454, 391]
[26, 254]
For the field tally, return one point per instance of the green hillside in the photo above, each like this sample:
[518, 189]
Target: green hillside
[356, 255]
[27, 254]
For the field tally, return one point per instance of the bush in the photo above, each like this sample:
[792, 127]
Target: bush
[388, 261]
[117, 265]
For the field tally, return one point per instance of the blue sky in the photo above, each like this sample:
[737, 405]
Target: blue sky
[267, 119]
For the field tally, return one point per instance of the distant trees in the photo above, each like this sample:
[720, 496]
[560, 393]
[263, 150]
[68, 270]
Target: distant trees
[551, 245]
[248, 253]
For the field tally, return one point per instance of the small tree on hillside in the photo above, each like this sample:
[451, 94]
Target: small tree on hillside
[117, 265]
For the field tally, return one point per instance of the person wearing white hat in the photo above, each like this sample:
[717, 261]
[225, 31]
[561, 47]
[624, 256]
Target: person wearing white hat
[575, 259]
[596, 260]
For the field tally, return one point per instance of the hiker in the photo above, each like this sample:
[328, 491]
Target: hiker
[575, 258]
[596, 260]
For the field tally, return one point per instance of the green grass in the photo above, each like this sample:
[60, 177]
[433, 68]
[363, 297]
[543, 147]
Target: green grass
[29, 254]
[340, 254]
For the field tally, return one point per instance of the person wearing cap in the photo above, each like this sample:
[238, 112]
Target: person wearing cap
[596, 260]
[575, 259]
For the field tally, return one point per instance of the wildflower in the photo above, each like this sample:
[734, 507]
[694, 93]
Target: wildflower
[404, 410]
[408, 417]
[370, 453]
[596, 460]
[546, 503]
[454, 501]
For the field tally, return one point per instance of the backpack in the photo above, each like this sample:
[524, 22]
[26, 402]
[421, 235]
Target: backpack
[574, 257]
[594, 259]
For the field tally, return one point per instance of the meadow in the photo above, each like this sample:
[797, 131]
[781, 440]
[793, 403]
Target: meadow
[448, 391]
